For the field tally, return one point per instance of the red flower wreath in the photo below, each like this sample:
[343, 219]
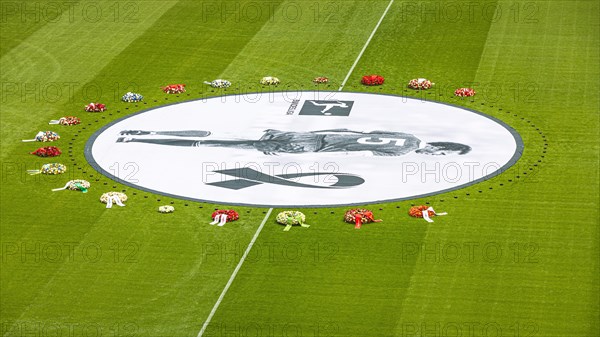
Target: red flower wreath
[48, 151]
[417, 211]
[372, 80]
[95, 107]
[231, 214]
[174, 89]
[464, 92]
[359, 216]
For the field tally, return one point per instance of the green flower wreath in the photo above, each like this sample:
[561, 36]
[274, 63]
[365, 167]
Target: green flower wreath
[291, 218]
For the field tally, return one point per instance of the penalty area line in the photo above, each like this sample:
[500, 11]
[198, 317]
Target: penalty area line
[235, 271]
[366, 45]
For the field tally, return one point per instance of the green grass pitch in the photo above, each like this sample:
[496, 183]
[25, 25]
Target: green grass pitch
[517, 256]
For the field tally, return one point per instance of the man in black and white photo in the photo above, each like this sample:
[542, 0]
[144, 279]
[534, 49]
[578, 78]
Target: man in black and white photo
[273, 142]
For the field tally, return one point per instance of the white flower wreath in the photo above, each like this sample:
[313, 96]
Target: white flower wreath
[166, 209]
[219, 83]
[269, 80]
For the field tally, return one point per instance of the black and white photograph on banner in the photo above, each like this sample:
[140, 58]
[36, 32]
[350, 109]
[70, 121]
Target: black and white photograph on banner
[304, 148]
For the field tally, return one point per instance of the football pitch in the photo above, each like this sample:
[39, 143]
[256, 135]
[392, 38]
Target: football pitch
[517, 254]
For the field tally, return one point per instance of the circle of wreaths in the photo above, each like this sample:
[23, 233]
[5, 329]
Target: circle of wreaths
[47, 151]
[417, 211]
[372, 80]
[166, 209]
[104, 197]
[365, 215]
[231, 214]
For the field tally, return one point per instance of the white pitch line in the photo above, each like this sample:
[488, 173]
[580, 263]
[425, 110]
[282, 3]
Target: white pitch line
[235, 271]
[239, 265]
[366, 45]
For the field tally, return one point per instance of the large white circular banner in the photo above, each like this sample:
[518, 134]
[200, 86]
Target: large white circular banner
[303, 149]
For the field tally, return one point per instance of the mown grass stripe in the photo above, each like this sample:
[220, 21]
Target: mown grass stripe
[234, 274]
[366, 45]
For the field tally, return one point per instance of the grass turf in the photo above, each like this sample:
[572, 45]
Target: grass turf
[535, 66]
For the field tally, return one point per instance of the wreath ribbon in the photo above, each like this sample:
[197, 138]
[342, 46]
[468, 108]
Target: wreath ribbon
[114, 199]
[359, 216]
[82, 188]
[426, 214]
[221, 219]
[290, 222]
[39, 134]
[358, 221]
[63, 188]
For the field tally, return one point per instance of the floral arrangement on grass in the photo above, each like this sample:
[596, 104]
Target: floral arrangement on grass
[420, 84]
[372, 80]
[222, 216]
[75, 185]
[50, 169]
[166, 209]
[109, 198]
[95, 107]
[68, 120]
[174, 89]
[132, 97]
[359, 216]
[219, 83]
[47, 151]
[464, 92]
[270, 80]
[291, 218]
[417, 211]
[44, 136]
[321, 80]
[423, 211]
[231, 214]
